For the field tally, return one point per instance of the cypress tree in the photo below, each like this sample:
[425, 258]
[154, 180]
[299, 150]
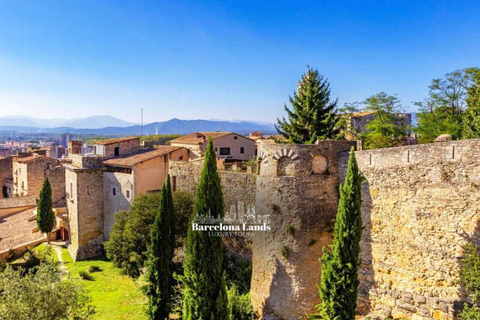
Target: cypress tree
[471, 118]
[45, 216]
[160, 255]
[205, 295]
[339, 283]
[313, 116]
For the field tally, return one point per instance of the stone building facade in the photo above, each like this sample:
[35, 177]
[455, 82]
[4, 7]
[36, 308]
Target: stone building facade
[6, 177]
[97, 186]
[30, 172]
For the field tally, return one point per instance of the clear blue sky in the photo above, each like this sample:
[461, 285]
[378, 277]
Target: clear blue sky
[226, 59]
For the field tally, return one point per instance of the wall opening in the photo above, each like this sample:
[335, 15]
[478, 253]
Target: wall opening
[285, 166]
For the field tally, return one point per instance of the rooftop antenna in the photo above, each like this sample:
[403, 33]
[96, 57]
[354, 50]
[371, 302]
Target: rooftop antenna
[142, 122]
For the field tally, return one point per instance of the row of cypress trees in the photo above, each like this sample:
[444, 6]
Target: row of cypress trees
[205, 293]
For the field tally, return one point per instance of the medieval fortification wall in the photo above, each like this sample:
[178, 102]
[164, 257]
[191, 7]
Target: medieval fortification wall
[421, 205]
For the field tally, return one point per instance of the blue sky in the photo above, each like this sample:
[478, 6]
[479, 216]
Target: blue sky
[228, 59]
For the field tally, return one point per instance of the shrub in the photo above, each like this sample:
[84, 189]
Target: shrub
[239, 273]
[93, 269]
[470, 278]
[127, 246]
[291, 230]
[41, 294]
[85, 275]
[239, 305]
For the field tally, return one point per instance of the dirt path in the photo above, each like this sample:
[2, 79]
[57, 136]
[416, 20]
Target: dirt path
[57, 247]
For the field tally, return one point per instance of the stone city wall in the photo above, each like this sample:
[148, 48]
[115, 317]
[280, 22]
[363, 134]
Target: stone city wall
[236, 186]
[421, 205]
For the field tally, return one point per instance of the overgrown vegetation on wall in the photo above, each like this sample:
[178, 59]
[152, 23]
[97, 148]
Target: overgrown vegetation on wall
[470, 278]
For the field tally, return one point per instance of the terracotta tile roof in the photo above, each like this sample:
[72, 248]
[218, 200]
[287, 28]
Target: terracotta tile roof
[144, 155]
[197, 137]
[117, 140]
[32, 158]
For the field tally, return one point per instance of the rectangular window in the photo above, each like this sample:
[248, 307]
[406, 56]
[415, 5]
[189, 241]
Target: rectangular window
[224, 151]
[180, 158]
[88, 190]
[242, 150]
[117, 151]
[235, 137]
[71, 191]
[114, 191]
[128, 194]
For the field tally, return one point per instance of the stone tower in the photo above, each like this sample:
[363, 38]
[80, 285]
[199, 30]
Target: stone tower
[298, 186]
[84, 185]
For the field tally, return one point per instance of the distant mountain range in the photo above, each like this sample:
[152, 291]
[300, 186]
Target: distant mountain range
[106, 125]
[93, 122]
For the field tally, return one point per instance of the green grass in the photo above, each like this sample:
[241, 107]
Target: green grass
[115, 296]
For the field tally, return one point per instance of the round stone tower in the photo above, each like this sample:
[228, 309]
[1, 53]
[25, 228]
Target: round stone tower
[297, 185]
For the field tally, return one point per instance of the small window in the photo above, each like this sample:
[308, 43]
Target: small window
[117, 151]
[242, 150]
[88, 190]
[224, 151]
[235, 137]
[114, 191]
[180, 158]
[216, 149]
[174, 183]
[128, 194]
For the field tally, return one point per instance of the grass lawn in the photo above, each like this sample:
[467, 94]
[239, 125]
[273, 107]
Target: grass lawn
[115, 296]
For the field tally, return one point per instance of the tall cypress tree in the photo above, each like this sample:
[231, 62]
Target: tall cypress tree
[205, 295]
[313, 115]
[45, 216]
[339, 282]
[160, 255]
[471, 117]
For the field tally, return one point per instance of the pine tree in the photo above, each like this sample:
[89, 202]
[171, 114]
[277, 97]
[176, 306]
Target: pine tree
[205, 295]
[471, 117]
[339, 283]
[160, 255]
[313, 116]
[45, 216]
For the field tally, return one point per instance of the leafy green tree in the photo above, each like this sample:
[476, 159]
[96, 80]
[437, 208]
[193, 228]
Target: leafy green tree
[313, 115]
[205, 294]
[40, 294]
[387, 128]
[160, 255]
[443, 111]
[130, 235]
[45, 215]
[339, 282]
[471, 117]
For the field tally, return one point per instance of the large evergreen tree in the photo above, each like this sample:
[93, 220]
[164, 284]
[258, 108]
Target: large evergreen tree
[45, 215]
[471, 117]
[205, 295]
[313, 115]
[339, 282]
[160, 255]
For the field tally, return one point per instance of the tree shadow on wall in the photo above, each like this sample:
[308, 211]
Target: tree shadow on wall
[365, 272]
[281, 286]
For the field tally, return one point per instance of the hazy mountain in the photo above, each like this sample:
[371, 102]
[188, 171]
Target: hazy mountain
[93, 122]
[171, 126]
